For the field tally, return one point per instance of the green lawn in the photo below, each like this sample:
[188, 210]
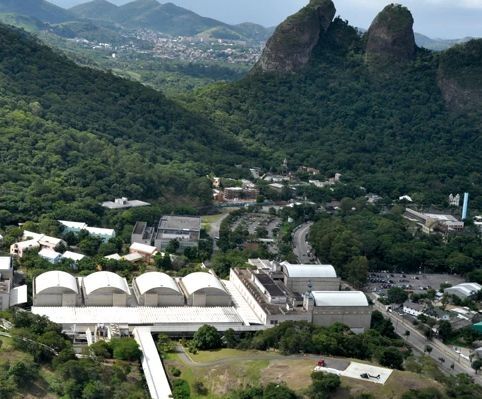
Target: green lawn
[212, 356]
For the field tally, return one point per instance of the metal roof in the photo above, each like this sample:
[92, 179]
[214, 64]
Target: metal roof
[5, 263]
[50, 254]
[200, 280]
[73, 225]
[339, 298]
[102, 280]
[143, 248]
[55, 279]
[152, 280]
[154, 372]
[180, 223]
[142, 315]
[465, 289]
[73, 256]
[309, 271]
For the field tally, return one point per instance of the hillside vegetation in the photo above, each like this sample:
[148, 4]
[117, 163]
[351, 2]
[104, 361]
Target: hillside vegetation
[71, 134]
[390, 131]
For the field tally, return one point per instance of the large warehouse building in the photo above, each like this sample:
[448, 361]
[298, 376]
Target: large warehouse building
[105, 289]
[347, 307]
[319, 277]
[204, 289]
[157, 289]
[55, 288]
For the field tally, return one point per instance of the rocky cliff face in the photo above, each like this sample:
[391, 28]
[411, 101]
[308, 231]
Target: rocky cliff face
[460, 76]
[291, 45]
[390, 38]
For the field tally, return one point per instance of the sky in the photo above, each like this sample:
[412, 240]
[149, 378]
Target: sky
[448, 19]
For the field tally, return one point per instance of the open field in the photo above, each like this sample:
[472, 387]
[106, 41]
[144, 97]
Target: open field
[229, 369]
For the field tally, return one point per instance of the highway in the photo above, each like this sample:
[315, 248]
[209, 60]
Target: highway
[300, 246]
[419, 342]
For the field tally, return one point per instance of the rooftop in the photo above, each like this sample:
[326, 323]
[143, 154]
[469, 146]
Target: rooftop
[200, 280]
[268, 283]
[101, 280]
[5, 263]
[339, 298]
[176, 315]
[152, 280]
[309, 271]
[143, 248]
[180, 223]
[73, 256]
[55, 279]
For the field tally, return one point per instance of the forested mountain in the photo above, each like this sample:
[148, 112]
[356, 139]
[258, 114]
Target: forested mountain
[39, 9]
[72, 136]
[386, 126]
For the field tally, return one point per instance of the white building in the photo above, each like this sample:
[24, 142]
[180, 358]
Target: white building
[105, 289]
[204, 289]
[347, 307]
[301, 278]
[157, 289]
[464, 290]
[33, 241]
[73, 256]
[55, 288]
[104, 234]
[50, 255]
[147, 251]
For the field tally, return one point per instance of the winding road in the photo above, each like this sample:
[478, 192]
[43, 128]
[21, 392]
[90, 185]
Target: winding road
[301, 248]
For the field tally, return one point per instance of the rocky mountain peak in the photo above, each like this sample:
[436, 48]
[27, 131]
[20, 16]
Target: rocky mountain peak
[390, 38]
[291, 45]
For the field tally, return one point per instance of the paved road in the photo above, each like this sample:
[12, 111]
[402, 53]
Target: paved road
[334, 363]
[300, 246]
[420, 342]
[215, 227]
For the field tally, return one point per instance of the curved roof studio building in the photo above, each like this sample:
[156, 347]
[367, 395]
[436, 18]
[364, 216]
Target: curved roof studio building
[157, 289]
[204, 289]
[105, 289]
[298, 278]
[55, 288]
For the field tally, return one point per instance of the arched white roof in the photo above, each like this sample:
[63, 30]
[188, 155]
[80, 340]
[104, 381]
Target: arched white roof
[152, 280]
[99, 280]
[55, 279]
[339, 298]
[200, 280]
[309, 271]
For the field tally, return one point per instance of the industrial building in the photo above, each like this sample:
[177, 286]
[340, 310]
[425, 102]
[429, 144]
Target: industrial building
[464, 290]
[204, 289]
[157, 289]
[186, 230]
[142, 234]
[347, 307]
[433, 222]
[55, 288]
[10, 295]
[320, 277]
[146, 252]
[105, 289]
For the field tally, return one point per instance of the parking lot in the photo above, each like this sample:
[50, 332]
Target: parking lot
[380, 282]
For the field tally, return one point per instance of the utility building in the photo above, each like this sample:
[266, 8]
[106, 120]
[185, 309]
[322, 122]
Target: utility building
[55, 288]
[157, 289]
[204, 289]
[347, 307]
[298, 278]
[186, 230]
[105, 289]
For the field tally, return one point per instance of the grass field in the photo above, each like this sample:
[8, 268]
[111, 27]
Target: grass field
[229, 369]
[207, 220]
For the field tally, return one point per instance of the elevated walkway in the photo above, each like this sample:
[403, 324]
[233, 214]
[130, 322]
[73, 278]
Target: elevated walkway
[154, 372]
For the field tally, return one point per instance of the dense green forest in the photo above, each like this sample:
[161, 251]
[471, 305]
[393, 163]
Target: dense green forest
[358, 241]
[72, 135]
[389, 131]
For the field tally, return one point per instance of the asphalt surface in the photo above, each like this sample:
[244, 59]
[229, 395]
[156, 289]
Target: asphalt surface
[301, 248]
[214, 229]
[439, 350]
